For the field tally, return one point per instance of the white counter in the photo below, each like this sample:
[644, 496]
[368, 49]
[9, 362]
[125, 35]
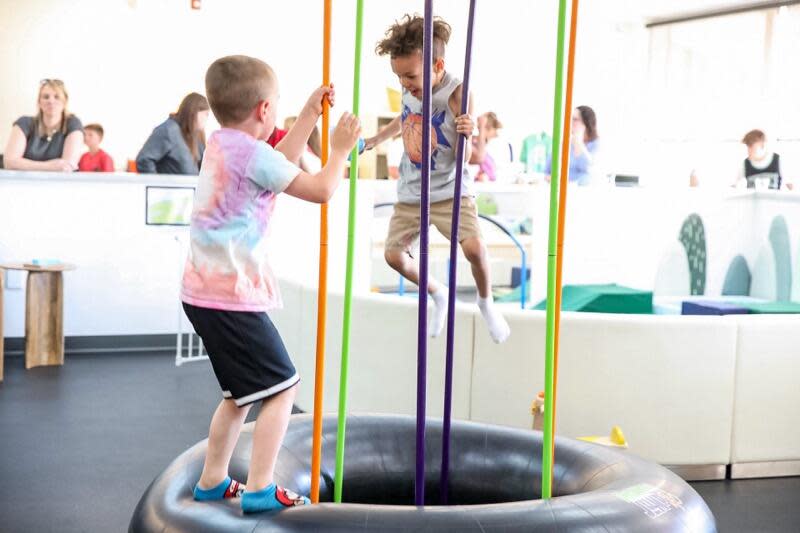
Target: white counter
[128, 273]
[112, 178]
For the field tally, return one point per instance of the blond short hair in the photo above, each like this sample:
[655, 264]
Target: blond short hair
[492, 121]
[59, 87]
[235, 84]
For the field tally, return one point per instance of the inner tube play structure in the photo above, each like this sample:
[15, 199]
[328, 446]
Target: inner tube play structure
[419, 474]
[494, 485]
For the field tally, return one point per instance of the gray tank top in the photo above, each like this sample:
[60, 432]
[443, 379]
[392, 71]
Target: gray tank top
[443, 147]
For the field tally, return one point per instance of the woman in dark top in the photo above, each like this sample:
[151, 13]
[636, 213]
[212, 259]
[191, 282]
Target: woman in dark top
[51, 140]
[176, 145]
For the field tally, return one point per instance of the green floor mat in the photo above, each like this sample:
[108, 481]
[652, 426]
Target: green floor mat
[608, 298]
[774, 308]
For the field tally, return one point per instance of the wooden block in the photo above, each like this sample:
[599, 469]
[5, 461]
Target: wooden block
[44, 319]
[55, 267]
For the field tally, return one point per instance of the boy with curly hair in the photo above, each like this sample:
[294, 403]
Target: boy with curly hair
[403, 45]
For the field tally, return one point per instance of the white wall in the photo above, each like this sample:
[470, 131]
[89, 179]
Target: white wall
[136, 59]
[709, 81]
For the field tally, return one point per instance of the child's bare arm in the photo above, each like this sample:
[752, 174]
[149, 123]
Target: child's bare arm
[319, 187]
[390, 130]
[464, 123]
[294, 144]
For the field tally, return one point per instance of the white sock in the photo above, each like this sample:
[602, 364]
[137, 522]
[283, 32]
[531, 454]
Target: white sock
[439, 316]
[498, 327]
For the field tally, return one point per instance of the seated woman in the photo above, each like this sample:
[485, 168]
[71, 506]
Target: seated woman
[176, 145]
[584, 145]
[51, 140]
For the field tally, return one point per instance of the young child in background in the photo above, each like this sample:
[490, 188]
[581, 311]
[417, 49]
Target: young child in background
[95, 160]
[761, 165]
[493, 154]
[403, 44]
[227, 284]
[487, 168]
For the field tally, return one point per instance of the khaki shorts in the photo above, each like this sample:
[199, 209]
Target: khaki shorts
[404, 224]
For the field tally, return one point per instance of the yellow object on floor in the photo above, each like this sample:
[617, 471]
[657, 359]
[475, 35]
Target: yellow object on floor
[616, 439]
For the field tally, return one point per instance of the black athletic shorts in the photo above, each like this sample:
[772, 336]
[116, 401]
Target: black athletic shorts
[246, 351]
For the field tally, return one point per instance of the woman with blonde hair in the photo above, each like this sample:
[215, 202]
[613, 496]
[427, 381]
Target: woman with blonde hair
[176, 145]
[51, 140]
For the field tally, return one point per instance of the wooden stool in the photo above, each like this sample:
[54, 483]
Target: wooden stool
[44, 313]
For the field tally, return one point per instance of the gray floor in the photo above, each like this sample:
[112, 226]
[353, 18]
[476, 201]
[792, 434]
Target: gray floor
[79, 444]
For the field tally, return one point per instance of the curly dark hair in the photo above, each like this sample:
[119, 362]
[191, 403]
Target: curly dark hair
[405, 37]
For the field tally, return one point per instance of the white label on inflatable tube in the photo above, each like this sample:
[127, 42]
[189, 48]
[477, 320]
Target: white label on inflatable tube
[653, 501]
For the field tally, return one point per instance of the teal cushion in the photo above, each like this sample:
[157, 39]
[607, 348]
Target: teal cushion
[774, 308]
[779, 239]
[737, 279]
[608, 298]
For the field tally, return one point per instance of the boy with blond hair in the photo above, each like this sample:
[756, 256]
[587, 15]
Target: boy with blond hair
[403, 44]
[227, 284]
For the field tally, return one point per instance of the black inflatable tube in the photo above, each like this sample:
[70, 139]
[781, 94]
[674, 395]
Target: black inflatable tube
[494, 480]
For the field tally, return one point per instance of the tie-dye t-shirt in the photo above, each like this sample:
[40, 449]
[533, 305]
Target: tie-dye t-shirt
[227, 264]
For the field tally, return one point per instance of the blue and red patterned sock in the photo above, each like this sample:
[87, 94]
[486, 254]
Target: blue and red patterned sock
[229, 488]
[272, 498]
